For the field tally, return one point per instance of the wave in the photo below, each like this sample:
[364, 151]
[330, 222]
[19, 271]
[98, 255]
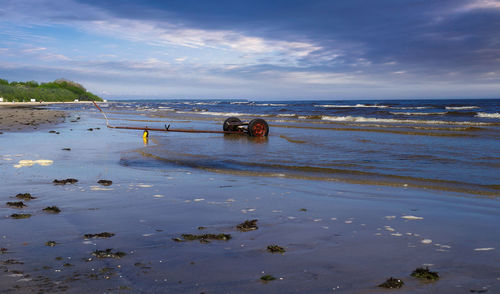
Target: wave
[226, 114]
[271, 104]
[352, 106]
[286, 115]
[362, 119]
[488, 115]
[460, 107]
[418, 113]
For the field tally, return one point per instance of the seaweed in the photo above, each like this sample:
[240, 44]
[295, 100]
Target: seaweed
[392, 283]
[303, 209]
[18, 204]
[20, 215]
[99, 235]
[108, 253]
[275, 249]
[52, 209]
[204, 238]
[425, 274]
[248, 225]
[3, 250]
[25, 196]
[51, 243]
[105, 182]
[267, 278]
[64, 182]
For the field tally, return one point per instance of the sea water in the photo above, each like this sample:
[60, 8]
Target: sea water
[437, 144]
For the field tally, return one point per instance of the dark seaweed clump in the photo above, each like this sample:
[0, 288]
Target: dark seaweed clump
[3, 250]
[248, 225]
[108, 253]
[18, 204]
[105, 182]
[267, 278]
[99, 235]
[52, 209]
[25, 196]
[64, 182]
[425, 274]
[204, 238]
[51, 243]
[20, 215]
[275, 249]
[392, 283]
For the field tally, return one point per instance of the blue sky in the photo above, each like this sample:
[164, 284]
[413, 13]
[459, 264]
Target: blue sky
[270, 50]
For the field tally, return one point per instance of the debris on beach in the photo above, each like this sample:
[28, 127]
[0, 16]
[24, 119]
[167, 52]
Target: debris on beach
[17, 204]
[303, 209]
[20, 215]
[267, 278]
[25, 196]
[50, 243]
[66, 149]
[425, 274]
[108, 253]
[275, 249]
[203, 238]
[3, 250]
[392, 283]
[99, 235]
[105, 182]
[248, 225]
[52, 209]
[64, 182]
[12, 261]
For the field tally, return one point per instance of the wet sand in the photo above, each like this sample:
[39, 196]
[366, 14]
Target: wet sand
[152, 229]
[26, 116]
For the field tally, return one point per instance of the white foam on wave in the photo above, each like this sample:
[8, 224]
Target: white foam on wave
[271, 104]
[418, 113]
[412, 107]
[460, 107]
[220, 113]
[488, 115]
[352, 106]
[362, 119]
[286, 115]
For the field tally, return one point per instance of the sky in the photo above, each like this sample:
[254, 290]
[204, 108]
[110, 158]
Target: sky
[255, 49]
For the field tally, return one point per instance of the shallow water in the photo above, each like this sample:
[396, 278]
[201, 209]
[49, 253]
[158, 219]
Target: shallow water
[436, 144]
[341, 234]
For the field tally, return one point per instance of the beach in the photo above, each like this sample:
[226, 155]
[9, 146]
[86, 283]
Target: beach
[323, 205]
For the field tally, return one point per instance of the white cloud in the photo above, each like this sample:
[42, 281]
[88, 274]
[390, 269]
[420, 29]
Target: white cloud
[482, 4]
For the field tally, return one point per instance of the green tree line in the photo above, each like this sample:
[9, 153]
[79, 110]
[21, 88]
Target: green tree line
[60, 90]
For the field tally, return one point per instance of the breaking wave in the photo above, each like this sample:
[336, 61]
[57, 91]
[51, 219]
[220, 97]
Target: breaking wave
[398, 121]
[460, 107]
[488, 115]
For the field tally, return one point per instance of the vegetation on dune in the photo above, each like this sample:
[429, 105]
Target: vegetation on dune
[57, 91]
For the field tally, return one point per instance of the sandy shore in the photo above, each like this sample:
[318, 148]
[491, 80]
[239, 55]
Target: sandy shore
[159, 228]
[26, 117]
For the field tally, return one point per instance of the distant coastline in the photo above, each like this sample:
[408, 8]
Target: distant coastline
[60, 90]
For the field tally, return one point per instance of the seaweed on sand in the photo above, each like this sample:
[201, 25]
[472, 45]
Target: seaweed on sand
[99, 235]
[392, 283]
[425, 274]
[64, 182]
[203, 238]
[105, 182]
[267, 278]
[248, 225]
[52, 209]
[20, 215]
[108, 253]
[25, 196]
[275, 249]
[18, 204]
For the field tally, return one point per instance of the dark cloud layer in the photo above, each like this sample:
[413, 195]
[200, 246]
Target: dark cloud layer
[426, 37]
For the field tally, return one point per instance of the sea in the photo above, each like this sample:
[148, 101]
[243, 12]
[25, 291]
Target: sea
[441, 145]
